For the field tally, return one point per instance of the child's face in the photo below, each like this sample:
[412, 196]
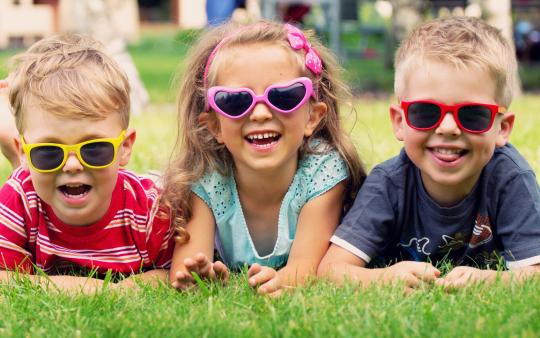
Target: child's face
[78, 195]
[263, 139]
[450, 159]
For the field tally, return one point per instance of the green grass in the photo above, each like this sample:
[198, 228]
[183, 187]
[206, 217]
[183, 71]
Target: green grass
[321, 310]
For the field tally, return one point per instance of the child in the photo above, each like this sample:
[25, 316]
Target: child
[458, 191]
[70, 207]
[264, 161]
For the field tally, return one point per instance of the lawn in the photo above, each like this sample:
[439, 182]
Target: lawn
[320, 310]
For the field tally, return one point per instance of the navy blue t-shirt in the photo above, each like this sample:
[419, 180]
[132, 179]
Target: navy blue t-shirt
[394, 219]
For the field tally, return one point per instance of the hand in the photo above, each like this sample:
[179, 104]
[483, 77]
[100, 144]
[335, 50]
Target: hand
[201, 265]
[413, 274]
[463, 276]
[266, 279]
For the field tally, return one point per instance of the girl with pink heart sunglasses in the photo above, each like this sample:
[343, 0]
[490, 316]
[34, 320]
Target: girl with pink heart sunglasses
[263, 169]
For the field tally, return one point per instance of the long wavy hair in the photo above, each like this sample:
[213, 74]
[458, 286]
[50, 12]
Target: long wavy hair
[196, 151]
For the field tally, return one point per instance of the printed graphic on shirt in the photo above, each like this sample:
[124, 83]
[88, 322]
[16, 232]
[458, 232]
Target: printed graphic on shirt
[419, 245]
[452, 243]
[482, 233]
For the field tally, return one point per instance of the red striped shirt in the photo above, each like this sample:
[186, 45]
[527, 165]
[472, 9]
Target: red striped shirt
[130, 237]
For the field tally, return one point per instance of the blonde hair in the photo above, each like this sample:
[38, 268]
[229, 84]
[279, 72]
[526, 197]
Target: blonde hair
[69, 76]
[197, 151]
[463, 42]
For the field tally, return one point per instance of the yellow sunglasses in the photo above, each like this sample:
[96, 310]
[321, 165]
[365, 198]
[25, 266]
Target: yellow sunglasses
[95, 154]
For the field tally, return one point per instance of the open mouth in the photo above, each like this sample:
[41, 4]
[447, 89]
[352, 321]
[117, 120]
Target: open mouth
[263, 139]
[75, 190]
[448, 155]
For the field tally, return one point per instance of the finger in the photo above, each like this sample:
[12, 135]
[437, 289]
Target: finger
[182, 280]
[271, 286]
[410, 280]
[426, 272]
[191, 265]
[453, 275]
[254, 269]
[203, 265]
[221, 271]
[262, 277]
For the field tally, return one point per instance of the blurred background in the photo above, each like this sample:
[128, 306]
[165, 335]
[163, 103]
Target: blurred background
[151, 37]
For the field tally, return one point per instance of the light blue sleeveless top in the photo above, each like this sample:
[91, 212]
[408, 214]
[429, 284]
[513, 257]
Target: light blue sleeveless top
[316, 174]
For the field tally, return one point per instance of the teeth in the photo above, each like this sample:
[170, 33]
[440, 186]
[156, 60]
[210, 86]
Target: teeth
[446, 151]
[74, 185]
[262, 135]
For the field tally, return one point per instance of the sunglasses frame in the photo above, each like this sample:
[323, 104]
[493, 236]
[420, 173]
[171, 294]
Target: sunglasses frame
[454, 108]
[212, 91]
[115, 141]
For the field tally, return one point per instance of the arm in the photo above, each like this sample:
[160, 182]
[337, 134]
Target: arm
[196, 255]
[340, 266]
[316, 224]
[70, 284]
[463, 276]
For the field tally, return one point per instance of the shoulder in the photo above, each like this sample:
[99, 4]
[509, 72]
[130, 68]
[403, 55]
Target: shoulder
[214, 188]
[137, 189]
[323, 158]
[321, 170]
[395, 170]
[19, 183]
[505, 164]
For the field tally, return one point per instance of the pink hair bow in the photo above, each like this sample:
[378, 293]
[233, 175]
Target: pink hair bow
[298, 40]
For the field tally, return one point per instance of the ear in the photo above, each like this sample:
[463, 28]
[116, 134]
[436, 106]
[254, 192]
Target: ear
[212, 124]
[127, 146]
[398, 122]
[318, 112]
[507, 124]
[20, 152]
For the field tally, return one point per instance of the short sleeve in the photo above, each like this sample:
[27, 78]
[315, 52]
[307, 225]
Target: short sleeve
[13, 236]
[216, 191]
[367, 226]
[518, 220]
[321, 172]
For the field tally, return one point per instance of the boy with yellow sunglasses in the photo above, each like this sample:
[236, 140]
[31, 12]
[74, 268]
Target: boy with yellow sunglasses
[70, 206]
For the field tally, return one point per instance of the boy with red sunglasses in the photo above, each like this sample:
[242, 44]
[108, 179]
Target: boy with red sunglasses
[69, 207]
[458, 191]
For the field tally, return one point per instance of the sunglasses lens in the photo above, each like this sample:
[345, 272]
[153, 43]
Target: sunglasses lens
[423, 115]
[98, 153]
[475, 118]
[287, 98]
[233, 104]
[47, 157]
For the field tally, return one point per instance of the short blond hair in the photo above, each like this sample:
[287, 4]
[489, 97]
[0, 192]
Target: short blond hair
[68, 76]
[462, 42]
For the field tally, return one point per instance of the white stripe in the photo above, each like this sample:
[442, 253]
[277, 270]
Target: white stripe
[351, 248]
[524, 262]
[14, 217]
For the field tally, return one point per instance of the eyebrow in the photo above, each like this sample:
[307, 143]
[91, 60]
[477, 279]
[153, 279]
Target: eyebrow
[54, 139]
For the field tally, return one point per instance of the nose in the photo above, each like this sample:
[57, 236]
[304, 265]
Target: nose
[72, 165]
[448, 125]
[261, 112]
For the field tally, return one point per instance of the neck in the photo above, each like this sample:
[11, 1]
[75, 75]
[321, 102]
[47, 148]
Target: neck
[266, 186]
[449, 195]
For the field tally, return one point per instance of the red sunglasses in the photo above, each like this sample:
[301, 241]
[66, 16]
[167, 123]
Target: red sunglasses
[475, 118]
